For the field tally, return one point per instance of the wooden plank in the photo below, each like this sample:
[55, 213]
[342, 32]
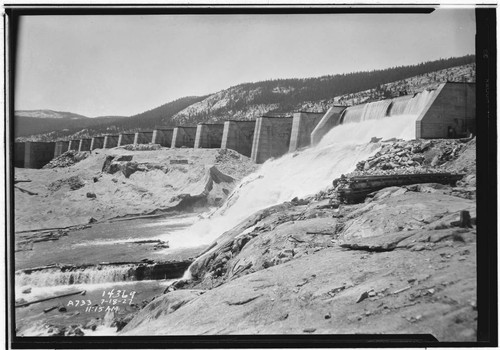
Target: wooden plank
[360, 186]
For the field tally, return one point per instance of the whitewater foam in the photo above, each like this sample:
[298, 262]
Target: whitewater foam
[297, 175]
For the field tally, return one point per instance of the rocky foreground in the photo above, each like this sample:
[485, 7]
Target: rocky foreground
[399, 262]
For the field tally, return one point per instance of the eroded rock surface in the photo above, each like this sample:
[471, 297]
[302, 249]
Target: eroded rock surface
[292, 268]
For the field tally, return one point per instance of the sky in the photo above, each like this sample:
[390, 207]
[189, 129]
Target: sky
[124, 65]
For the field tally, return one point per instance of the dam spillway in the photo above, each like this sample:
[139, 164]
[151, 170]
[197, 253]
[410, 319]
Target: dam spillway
[337, 152]
[448, 111]
[445, 112]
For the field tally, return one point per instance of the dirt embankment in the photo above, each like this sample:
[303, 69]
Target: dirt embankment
[396, 263]
[133, 182]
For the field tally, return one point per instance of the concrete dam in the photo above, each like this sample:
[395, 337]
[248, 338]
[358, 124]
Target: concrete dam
[446, 112]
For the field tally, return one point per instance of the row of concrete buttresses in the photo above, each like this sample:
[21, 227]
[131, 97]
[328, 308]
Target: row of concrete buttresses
[267, 136]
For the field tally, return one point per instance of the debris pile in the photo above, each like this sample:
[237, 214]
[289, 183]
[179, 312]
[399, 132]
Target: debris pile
[142, 147]
[446, 157]
[410, 157]
[74, 182]
[66, 159]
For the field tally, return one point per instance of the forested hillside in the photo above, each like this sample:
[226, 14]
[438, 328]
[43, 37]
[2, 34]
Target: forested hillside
[143, 121]
[247, 101]
[283, 96]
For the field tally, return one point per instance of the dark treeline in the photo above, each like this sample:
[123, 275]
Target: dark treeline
[322, 88]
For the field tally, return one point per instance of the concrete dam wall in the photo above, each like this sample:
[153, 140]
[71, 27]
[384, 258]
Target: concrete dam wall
[60, 148]
[329, 120]
[144, 137]
[74, 145]
[110, 141]
[19, 154]
[451, 113]
[184, 136]
[97, 142]
[302, 127]
[126, 139]
[85, 145]
[238, 136]
[271, 138]
[163, 137]
[209, 136]
[37, 154]
[446, 112]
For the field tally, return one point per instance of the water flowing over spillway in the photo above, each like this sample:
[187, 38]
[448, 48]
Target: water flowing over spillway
[399, 106]
[298, 174]
[411, 104]
[368, 111]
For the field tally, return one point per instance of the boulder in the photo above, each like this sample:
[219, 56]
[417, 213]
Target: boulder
[124, 158]
[74, 183]
[121, 322]
[74, 330]
[129, 168]
[93, 324]
[56, 331]
[107, 164]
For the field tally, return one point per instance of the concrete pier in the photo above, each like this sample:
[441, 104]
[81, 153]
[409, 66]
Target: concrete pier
[126, 139]
[184, 136]
[209, 135]
[238, 136]
[163, 137]
[60, 148]
[37, 154]
[74, 145]
[110, 141]
[19, 154]
[143, 137]
[271, 138]
[450, 113]
[327, 122]
[97, 142]
[303, 124]
[84, 145]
